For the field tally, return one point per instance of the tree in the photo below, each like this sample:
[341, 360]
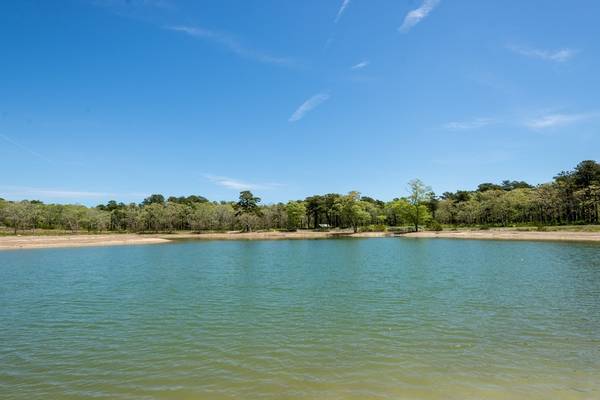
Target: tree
[314, 207]
[203, 217]
[353, 210]
[587, 173]
[274, 216]
[488, 186]
[572, 197]
[154, 199]
[296, 210]
[405, 212]
[245, 207]
[224, 216]
[190, 200]
[395, 212]
[154, 216]
[98, 220]
[72, 217]
[15, 214]
[35, 214]
[419, 194]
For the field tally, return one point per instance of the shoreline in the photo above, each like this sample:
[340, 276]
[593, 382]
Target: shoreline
[510, 234]
[125, 239]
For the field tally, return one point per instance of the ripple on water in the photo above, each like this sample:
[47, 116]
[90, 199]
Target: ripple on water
[343, 319]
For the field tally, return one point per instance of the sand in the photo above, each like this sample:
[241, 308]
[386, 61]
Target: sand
[505, 234]
[82, 240]
[36, 242]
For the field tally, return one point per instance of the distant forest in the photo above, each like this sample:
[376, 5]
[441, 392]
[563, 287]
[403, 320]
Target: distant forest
[573, 197]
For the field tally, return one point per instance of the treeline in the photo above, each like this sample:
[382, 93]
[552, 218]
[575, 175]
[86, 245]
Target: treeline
[195, 213]
[573, 197]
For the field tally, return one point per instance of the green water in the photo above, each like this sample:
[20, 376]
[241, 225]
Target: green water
[328, 319]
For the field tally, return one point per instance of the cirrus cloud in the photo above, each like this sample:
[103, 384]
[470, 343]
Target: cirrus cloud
[557, 120]
[468, 124]
[345, 4]
[560, 55]
[308, 105]
[415, 16]
[236, 184]
[231, 44]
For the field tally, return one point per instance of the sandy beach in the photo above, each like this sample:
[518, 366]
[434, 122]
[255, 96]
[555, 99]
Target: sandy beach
[83, 240]
[38, 242]
[505, 234]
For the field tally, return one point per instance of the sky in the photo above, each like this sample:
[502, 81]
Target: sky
[119, 99]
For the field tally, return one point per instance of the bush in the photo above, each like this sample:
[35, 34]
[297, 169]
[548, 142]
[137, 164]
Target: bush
[379, 228]
[374, 228]
[434, 225]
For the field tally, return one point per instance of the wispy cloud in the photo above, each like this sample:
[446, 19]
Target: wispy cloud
[468, 124]
[557, 120]
[560, 55]
[231, 44]
[235, 184]
[360, 65]
[345, 4]
[23, 148]
[415, 16]
[308, 105]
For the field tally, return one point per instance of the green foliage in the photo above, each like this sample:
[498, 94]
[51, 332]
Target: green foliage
[154, 199]
[247, 210]
[420, 194]
[374, 228]
[434, 225]
[572, 198]
[189, 200]
[296, 211]
[353, 211]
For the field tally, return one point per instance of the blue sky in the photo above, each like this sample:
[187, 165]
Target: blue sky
[120, 99]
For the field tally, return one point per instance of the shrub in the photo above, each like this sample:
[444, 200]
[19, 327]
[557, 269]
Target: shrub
[434, 225]
[374, 228]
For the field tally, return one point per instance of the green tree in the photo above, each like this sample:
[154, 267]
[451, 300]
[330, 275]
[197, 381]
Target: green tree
[245, 208]
[35, 214]
[154, 199]
[353, 210]
[296, 210]
[15, 214]
[419, 195]
[154, 217]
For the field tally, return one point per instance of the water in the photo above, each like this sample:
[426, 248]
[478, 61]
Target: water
[328, 319]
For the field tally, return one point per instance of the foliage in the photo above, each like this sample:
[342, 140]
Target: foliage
[434, 225]
[296, 212]
[247, 210]
[420, 194]
[572, 198]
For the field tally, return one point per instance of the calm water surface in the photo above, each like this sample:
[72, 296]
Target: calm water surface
[328, 319]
